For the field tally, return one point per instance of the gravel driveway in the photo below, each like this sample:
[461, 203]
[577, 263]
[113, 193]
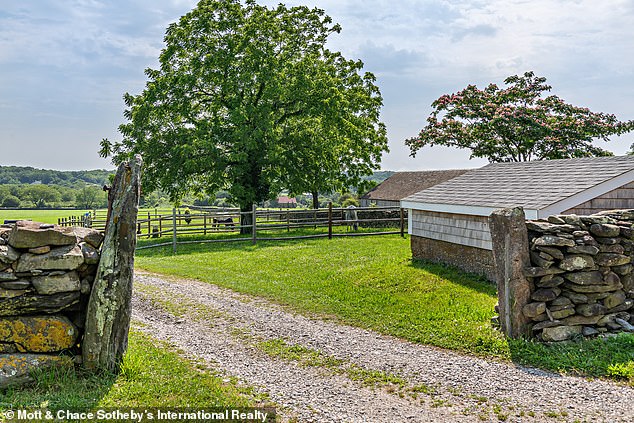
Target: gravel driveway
[358, 375]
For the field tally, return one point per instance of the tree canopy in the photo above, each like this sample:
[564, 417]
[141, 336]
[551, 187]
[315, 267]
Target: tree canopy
[516, 123]
[250, 100]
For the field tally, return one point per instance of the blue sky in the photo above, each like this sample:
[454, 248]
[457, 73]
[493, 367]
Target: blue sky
[65, 64]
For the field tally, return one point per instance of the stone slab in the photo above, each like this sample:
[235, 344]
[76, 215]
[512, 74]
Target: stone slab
[37, 334]
[62, 258]
[53, 284]
[16, 369]
[27, 234]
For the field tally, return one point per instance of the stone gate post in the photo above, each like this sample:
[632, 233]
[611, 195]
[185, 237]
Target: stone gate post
[511, 255]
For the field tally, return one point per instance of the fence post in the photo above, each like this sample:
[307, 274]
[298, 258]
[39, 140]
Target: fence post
[149, 224]
[174, 230]
[288, 221]
[402, 223]
[160, 218]
[253, 230]
[330, 220]
[204, 224]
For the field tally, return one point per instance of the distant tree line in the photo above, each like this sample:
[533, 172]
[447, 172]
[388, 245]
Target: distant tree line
[42, 196]
[27, 187]
[17, 175]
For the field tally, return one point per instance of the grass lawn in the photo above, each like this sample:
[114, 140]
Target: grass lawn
[151, 376]
[44, 216]
[372, 282]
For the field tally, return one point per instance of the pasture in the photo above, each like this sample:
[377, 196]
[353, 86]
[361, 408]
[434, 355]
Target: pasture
[40, 215]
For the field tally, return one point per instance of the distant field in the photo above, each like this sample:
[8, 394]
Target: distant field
[44, 216]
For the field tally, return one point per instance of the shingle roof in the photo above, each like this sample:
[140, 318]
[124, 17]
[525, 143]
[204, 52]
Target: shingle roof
[532, 185]
[401, 184]
[284, 199]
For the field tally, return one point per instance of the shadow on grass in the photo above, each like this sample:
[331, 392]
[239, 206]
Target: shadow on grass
[472, 281]
[59, 389]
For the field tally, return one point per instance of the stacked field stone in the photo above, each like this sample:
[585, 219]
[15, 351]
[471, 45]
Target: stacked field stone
[583, 284]
[46, 274]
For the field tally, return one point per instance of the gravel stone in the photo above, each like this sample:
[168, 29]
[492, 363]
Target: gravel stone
[315, 394]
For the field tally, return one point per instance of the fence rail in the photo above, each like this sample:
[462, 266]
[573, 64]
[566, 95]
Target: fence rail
[254, 225]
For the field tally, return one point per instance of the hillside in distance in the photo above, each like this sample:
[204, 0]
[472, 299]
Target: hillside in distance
[28, 175]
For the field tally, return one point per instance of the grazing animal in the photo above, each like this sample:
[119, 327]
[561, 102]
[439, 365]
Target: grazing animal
[228, 222]
[351, 218]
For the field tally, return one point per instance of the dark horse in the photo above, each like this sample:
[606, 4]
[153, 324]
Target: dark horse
[228, 222]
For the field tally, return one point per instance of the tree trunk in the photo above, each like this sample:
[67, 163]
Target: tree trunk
[109, 306]
[315, 199]
[246, 219]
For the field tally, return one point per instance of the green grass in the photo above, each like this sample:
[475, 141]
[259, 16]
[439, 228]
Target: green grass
[610, 357]
[44, 216]
[372, 282]
[151, 376]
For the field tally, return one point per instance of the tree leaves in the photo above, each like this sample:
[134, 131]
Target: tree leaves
[517, 123]
[243, 96]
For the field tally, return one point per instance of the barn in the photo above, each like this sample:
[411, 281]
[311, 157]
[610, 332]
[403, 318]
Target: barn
[399, 185]
[448, 222]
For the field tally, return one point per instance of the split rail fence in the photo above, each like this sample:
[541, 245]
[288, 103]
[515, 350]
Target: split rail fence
[232, 225]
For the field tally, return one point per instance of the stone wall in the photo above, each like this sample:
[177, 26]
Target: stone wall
[382, 216]
[46, 274]
[581, 276]
[467, 258]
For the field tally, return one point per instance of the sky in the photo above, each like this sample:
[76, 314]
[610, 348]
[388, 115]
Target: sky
[65, 65]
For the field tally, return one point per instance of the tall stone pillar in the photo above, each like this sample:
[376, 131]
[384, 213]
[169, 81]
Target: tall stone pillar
[109, 307]
[511, 255]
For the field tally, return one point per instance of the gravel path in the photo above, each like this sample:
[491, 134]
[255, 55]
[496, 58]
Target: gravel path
[433, 385]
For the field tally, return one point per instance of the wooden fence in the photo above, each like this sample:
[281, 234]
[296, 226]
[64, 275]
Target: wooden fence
[270, 224]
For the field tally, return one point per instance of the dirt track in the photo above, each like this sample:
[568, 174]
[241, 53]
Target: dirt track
[347, 374]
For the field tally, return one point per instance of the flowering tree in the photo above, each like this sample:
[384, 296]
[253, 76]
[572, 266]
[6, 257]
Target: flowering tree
[516, 123]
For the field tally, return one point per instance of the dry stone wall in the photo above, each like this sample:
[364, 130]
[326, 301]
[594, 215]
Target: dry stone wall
[581, 275]
[46, 274]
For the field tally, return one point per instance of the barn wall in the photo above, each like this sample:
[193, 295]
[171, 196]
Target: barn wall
[469, 230]
[469, 259]
[620, 198]
[365, 202]
[460, 240]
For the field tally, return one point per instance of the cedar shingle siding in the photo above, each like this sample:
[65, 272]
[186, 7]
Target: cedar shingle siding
[456, 211]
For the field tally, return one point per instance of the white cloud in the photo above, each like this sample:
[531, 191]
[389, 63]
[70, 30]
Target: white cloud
[75, 58]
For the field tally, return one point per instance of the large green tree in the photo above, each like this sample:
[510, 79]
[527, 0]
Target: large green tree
[516, 123]
[41, 195]
[242, 101]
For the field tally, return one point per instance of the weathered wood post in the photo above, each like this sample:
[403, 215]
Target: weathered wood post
[253, 229]
[174, 230]
[330, 220]
[511, 255]
[109, 307]
[402, 221]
